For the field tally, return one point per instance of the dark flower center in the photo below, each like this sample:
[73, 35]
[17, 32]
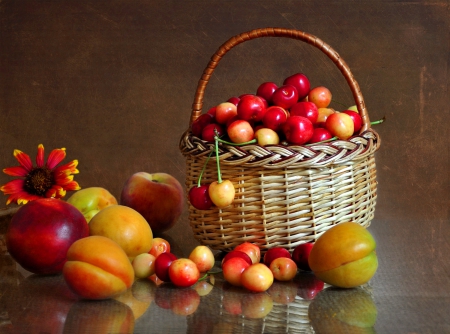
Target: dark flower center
[38, 181]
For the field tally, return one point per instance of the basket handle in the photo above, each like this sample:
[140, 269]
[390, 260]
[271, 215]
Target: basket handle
[279, 32]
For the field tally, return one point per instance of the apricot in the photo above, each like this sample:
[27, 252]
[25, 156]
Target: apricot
[344, 256]
[97, 268]
[125, 226]
[91, 200]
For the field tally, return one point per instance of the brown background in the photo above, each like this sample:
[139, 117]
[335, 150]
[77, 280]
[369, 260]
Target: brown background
[113, 82]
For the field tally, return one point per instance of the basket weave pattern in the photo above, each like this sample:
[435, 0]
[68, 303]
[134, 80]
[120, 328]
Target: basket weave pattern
[285, 195]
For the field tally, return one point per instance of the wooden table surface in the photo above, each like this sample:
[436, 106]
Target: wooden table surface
[113, 83]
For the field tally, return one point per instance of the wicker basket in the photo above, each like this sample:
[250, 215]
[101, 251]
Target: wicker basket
[285, 195]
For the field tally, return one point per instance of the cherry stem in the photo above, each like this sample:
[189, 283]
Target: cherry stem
[216, 143]
[203, 170]
[379, 121]
[209, 273]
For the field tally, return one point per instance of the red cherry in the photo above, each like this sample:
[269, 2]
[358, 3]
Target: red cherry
[298, 130]
[199, 124]
[208, 132]
[305, 109]
[199, 197]
[320, 134]
[285, 96]
[300, 82]
[274, 117]
[266, 90]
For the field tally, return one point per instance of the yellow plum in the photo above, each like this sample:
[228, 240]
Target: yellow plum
[344, 256]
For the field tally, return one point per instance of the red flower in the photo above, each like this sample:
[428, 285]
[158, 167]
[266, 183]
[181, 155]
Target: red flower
[44, 180]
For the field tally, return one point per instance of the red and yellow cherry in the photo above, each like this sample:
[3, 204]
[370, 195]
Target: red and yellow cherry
[199, 197]
[320, 96]
[203, 258]
[232, 270]
[144, 265]
[323, 114]
[257, 278]
[274, 117]
[265, 136]
[340, 125]
[251, 250]
[225, 111]
[159, 246]
[240, 131]
[283, 269]
[251, 107]
[266, 90]
[222, 194]
[356, 118]
[183, 272]
[301, 82]
[298, 130]
[306, 109]
[285, 96]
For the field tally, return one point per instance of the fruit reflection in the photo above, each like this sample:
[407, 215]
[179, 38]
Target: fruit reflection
[257, 306]
[105, 316]
[283, 292]
[138, 307]
[343, 311]
[181, 301]
[308, 285]
[42, 302]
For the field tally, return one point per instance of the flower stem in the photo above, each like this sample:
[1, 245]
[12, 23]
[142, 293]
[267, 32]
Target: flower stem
[203, 170]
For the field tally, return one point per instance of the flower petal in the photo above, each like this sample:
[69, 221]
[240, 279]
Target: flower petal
[69, 168]
[23, 159]
[16, 171]
[40, 156]
[55, 157]
[63, 179]
[71, 186]
[12, 187]
[56, 192]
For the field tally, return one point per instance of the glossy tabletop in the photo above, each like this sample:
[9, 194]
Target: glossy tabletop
[113, 83]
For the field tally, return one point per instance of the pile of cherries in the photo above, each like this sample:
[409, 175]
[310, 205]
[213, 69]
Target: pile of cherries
[289, 114]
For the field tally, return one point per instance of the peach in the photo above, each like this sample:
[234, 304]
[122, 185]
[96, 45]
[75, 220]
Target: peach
[344, 256]
[125, 226]
[97, 268]
[91, 200]
[159, 197]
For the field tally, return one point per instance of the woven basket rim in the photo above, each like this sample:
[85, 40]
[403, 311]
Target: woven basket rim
[316, 155]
